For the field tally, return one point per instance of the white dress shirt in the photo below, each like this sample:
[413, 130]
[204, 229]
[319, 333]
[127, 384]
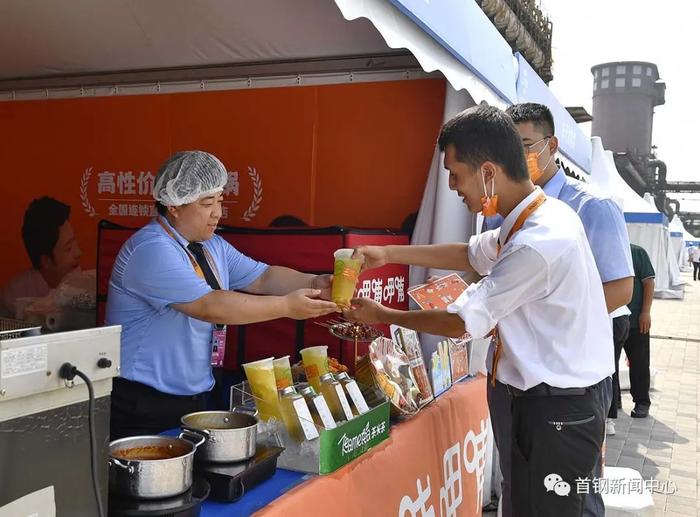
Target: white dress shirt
[545, 294]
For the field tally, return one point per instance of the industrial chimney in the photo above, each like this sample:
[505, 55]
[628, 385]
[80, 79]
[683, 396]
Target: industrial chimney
[624, 96]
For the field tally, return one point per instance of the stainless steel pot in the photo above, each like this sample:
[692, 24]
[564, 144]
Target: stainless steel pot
[151, 467]
[230, 435]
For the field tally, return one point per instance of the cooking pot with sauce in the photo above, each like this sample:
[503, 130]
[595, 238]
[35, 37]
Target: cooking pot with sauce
[151, 467]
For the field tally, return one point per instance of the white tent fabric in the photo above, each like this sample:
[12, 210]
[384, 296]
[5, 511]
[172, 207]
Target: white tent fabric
[93, 36]
[400, 32]
[689, 238]
[123, 36]
[645, 224]
[603, 177]
[676, 228]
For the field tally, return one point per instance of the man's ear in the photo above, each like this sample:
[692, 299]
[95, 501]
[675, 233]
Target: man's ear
[553, 145]
[172, 210]
[489, 171]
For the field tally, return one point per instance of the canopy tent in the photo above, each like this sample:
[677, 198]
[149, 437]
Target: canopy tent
[676, 229]
[647, 227]
[177, 45]
[690, 239]
[92, 48]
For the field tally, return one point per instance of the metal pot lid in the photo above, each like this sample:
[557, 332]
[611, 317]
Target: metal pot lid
[218, 420]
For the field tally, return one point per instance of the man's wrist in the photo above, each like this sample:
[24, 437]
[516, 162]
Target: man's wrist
[384, 315]
[389, 254]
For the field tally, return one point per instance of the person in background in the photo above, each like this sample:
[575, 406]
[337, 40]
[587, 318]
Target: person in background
[637, 344]
[606, 231]
[53, 251]
[175, 286]
[695, 259]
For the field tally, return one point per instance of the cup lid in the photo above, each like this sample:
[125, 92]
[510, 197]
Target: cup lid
[343, 253]
[314, 348]
[259, 362]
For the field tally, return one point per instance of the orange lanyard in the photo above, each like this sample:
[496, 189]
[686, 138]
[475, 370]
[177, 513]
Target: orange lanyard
[519, 222]
[193, 261]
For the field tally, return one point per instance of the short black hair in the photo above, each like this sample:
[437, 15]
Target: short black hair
[485, 133]
[42, 220]
[538, 114]
[289, 221]
[161, 208]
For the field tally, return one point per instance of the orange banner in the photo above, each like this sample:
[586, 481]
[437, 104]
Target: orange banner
[433, 464]
[353, 155]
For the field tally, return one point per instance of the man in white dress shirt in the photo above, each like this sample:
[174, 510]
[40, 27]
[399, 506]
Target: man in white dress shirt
[538, 265]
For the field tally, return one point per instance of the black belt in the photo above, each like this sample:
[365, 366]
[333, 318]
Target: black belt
[545, 390]
[136, 388]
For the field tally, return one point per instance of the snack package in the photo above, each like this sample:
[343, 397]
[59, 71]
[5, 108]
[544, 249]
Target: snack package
[407, 339]
[459, 358]
[440, 369]
[387, 367]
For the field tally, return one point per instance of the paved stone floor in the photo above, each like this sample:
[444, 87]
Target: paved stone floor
[664, 446]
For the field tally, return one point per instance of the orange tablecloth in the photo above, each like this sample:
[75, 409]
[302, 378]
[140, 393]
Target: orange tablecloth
[435, 459]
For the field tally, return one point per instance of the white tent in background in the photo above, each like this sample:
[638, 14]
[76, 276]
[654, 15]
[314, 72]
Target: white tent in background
[602, 178]
[689, 238]
[677, 240]
[647, 227]
[671, 250]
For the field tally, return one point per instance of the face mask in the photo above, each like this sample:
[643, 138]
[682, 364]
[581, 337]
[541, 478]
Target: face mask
[533, 165]
[489, 204]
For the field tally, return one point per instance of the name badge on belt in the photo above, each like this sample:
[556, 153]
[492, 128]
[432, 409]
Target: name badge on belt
[218, 345]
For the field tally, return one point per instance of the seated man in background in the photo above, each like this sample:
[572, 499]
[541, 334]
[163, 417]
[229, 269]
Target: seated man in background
[52, 249]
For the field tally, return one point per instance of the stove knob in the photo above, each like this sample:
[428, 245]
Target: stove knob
[104, 363]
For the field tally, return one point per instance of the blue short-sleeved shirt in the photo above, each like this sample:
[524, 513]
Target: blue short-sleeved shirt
[161, 347]
[602, 220]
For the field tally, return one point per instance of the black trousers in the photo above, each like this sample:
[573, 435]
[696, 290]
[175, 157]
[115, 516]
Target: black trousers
[621, 329]
[696, 270]
[556, 440]
[637, 350]
[138, 409]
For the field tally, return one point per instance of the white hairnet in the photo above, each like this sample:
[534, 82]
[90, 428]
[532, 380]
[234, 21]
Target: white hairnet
[188, 176]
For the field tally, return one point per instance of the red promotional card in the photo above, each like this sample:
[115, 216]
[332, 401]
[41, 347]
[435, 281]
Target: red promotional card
[440, 293]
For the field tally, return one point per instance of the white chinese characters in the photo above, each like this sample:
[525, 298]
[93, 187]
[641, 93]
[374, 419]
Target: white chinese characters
[381, 293]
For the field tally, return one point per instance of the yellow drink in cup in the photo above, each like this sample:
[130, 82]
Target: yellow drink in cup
[283, 372]
[346, 270]
[315, 359]
[261, 377]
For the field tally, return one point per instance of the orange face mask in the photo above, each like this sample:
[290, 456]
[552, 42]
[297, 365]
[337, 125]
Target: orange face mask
[489, 204]
[533, 165]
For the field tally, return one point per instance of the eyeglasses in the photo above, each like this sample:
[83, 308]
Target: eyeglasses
[528, 148]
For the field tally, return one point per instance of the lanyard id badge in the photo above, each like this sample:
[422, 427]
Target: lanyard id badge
[218, 346]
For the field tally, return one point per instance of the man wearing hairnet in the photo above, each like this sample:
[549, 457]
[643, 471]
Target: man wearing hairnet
[174, 287]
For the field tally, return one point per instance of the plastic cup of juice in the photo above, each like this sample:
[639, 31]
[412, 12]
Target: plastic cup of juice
[283, 372]
[346, 271]
[261, 377]
[315, 359]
